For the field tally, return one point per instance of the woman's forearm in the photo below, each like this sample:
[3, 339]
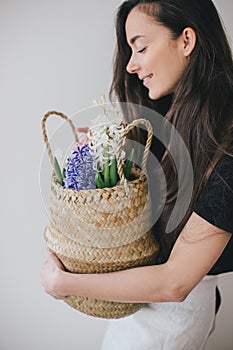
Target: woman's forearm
[142, 284]
[196, 250]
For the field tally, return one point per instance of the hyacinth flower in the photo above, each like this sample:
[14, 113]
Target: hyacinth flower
[104, 135]
[80, 174]
[96, 165]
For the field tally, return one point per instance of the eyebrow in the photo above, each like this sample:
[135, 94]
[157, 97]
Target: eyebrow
[133, 39]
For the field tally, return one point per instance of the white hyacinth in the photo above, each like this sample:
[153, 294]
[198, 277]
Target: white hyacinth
[104, 134]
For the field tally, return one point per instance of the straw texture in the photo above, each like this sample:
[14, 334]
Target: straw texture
[102, 230]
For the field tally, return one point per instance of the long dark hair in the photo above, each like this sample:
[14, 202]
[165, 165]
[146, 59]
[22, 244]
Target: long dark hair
[202, 105]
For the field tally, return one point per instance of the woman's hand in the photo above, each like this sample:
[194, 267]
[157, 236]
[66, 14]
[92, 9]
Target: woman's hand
[51, 275]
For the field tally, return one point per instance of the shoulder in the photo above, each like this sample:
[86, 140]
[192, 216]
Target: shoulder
[216, 199]
[224, 169]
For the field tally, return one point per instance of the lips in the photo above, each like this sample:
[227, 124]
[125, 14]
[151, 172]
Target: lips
[147, 79]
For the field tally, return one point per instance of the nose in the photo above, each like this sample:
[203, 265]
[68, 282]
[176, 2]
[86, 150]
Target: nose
[132, 66]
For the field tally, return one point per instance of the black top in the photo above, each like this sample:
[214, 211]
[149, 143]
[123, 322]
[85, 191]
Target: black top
[215, 205]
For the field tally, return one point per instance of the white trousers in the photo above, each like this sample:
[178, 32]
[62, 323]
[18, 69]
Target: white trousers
[167, 326]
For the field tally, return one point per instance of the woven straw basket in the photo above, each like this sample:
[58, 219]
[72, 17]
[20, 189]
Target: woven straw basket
[102, 230]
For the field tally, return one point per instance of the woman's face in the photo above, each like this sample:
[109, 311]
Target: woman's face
[157, 59]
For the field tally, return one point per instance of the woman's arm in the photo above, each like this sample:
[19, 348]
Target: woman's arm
[196, 250]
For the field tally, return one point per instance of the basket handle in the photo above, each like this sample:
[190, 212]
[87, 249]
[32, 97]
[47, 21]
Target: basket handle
[129, 127]
[44, 132]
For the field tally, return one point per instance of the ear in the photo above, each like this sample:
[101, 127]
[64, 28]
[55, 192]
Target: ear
[188, 41]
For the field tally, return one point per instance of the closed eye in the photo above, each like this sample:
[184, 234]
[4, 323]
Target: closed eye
[142, 50]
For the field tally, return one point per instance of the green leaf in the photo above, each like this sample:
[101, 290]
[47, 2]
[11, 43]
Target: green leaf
[64, 173]
[113, 172]
[58, 171]
[129, 164]
[106, 174]
[106, 170]
[99, 181]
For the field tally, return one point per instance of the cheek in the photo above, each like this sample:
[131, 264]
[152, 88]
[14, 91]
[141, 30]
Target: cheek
[168, 69]
[166, 81]
[179, 64]
[174, 69]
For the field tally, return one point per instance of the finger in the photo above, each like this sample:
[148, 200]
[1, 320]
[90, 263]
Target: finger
[83, 129]
[51, 257]
[55, 260]
[48, 252]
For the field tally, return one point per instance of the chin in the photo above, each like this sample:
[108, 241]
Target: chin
[153, 95]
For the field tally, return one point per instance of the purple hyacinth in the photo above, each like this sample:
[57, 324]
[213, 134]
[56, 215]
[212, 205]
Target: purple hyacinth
[80, 174]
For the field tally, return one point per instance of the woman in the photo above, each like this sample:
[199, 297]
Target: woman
[173, 56]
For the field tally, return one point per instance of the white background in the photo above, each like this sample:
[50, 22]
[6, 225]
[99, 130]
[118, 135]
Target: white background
[54, 55]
